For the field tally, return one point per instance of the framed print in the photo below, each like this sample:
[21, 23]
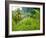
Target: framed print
[24, 18]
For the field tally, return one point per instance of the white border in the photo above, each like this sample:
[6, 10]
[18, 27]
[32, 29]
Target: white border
[25, 32]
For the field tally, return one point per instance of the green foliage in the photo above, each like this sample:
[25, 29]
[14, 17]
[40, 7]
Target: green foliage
[17, 15]
[29, 22]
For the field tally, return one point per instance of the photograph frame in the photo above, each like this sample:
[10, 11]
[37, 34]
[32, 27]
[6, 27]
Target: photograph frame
[7, 18]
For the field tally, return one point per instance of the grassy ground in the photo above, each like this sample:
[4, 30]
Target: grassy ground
[26, 24]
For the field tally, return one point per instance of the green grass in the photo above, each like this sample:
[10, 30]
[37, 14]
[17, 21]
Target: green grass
[26, 24]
